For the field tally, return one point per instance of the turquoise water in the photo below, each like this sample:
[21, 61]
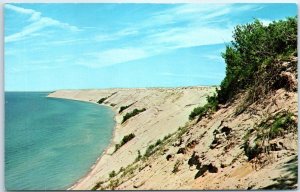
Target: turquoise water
[51, 143]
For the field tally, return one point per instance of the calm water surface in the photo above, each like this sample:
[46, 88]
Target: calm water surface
[51, 143]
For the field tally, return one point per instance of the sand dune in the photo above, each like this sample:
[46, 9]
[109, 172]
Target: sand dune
[166, 110]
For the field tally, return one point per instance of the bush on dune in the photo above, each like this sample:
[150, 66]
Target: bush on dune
[250, 61]
[255, 45]
[131, 114]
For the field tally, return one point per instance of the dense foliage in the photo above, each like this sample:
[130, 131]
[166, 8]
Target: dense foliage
[250, 60]
[133, 113]
[254, 45]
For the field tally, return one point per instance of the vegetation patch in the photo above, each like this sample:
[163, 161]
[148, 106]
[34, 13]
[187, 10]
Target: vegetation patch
[271, 128]
[97, 186]
[176, 166]
[125, 139]
[102, 100]
[156, 146]
[211, 106]
[133, 113]
[112, 174]
[113, 184]
[122, 108]
[150, 150]
[139, 157]
[251, 55]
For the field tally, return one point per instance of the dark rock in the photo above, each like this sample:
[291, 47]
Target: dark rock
[202, 169]
[192, 144]
[226, 130]
[194, 160]
[212, 169]
[169, 157]
[181, 151]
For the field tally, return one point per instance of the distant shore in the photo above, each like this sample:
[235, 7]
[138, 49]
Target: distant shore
[166, 110]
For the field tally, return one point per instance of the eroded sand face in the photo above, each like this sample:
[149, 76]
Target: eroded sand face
[166, 110]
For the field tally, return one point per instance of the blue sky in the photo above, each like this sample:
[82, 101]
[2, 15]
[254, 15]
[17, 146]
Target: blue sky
[77, 46]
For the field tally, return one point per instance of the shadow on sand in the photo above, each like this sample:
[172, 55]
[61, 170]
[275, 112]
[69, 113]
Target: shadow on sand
[290, 180]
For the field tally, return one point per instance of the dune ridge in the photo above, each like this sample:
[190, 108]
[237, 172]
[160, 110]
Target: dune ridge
[166, 110]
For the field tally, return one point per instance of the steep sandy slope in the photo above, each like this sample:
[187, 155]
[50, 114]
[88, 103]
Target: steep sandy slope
[237, 147]
[166, 110]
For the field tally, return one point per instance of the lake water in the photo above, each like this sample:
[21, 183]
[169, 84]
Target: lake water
[51, 143]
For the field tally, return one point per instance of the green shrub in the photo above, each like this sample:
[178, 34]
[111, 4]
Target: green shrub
[255, 45]
[121, 169]
[112, 174]
[167, 137]
[176, 166]
[117, 146]
[211, 106]
[131, 114]
[102, 100]
[122, 108]
[125, 139]
[113, 184]
[97, 186]
[158, 142]
[149, 150]
[270, 128]
[139, 156]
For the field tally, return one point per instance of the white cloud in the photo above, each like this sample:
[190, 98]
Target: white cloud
[34, 15]
[265, 22]
[199, 24]
[192, 36]
[155, 38]
[112, 56]
[117, 35]
[37, 23]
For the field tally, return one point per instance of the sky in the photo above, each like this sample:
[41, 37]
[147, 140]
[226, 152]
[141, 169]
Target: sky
[82, 46]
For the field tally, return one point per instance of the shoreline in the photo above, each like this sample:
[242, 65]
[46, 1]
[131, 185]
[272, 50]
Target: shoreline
[167, 109]
[106, 148]
[105, 151]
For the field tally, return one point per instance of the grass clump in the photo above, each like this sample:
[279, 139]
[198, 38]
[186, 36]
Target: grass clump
[275, 126]
[211, 106]
[129, 170]
[152, 148]
[271, 128]
[113, 184]
[125, 139]
[176, 166]
[97, 186]
[133, 113]
[112, 174]
[139, 157]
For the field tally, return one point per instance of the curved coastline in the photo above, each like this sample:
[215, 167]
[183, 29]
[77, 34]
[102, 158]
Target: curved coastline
[106, 148]
[167, 109]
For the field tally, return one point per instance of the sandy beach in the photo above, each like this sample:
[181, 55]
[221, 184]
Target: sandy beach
[166, 110]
